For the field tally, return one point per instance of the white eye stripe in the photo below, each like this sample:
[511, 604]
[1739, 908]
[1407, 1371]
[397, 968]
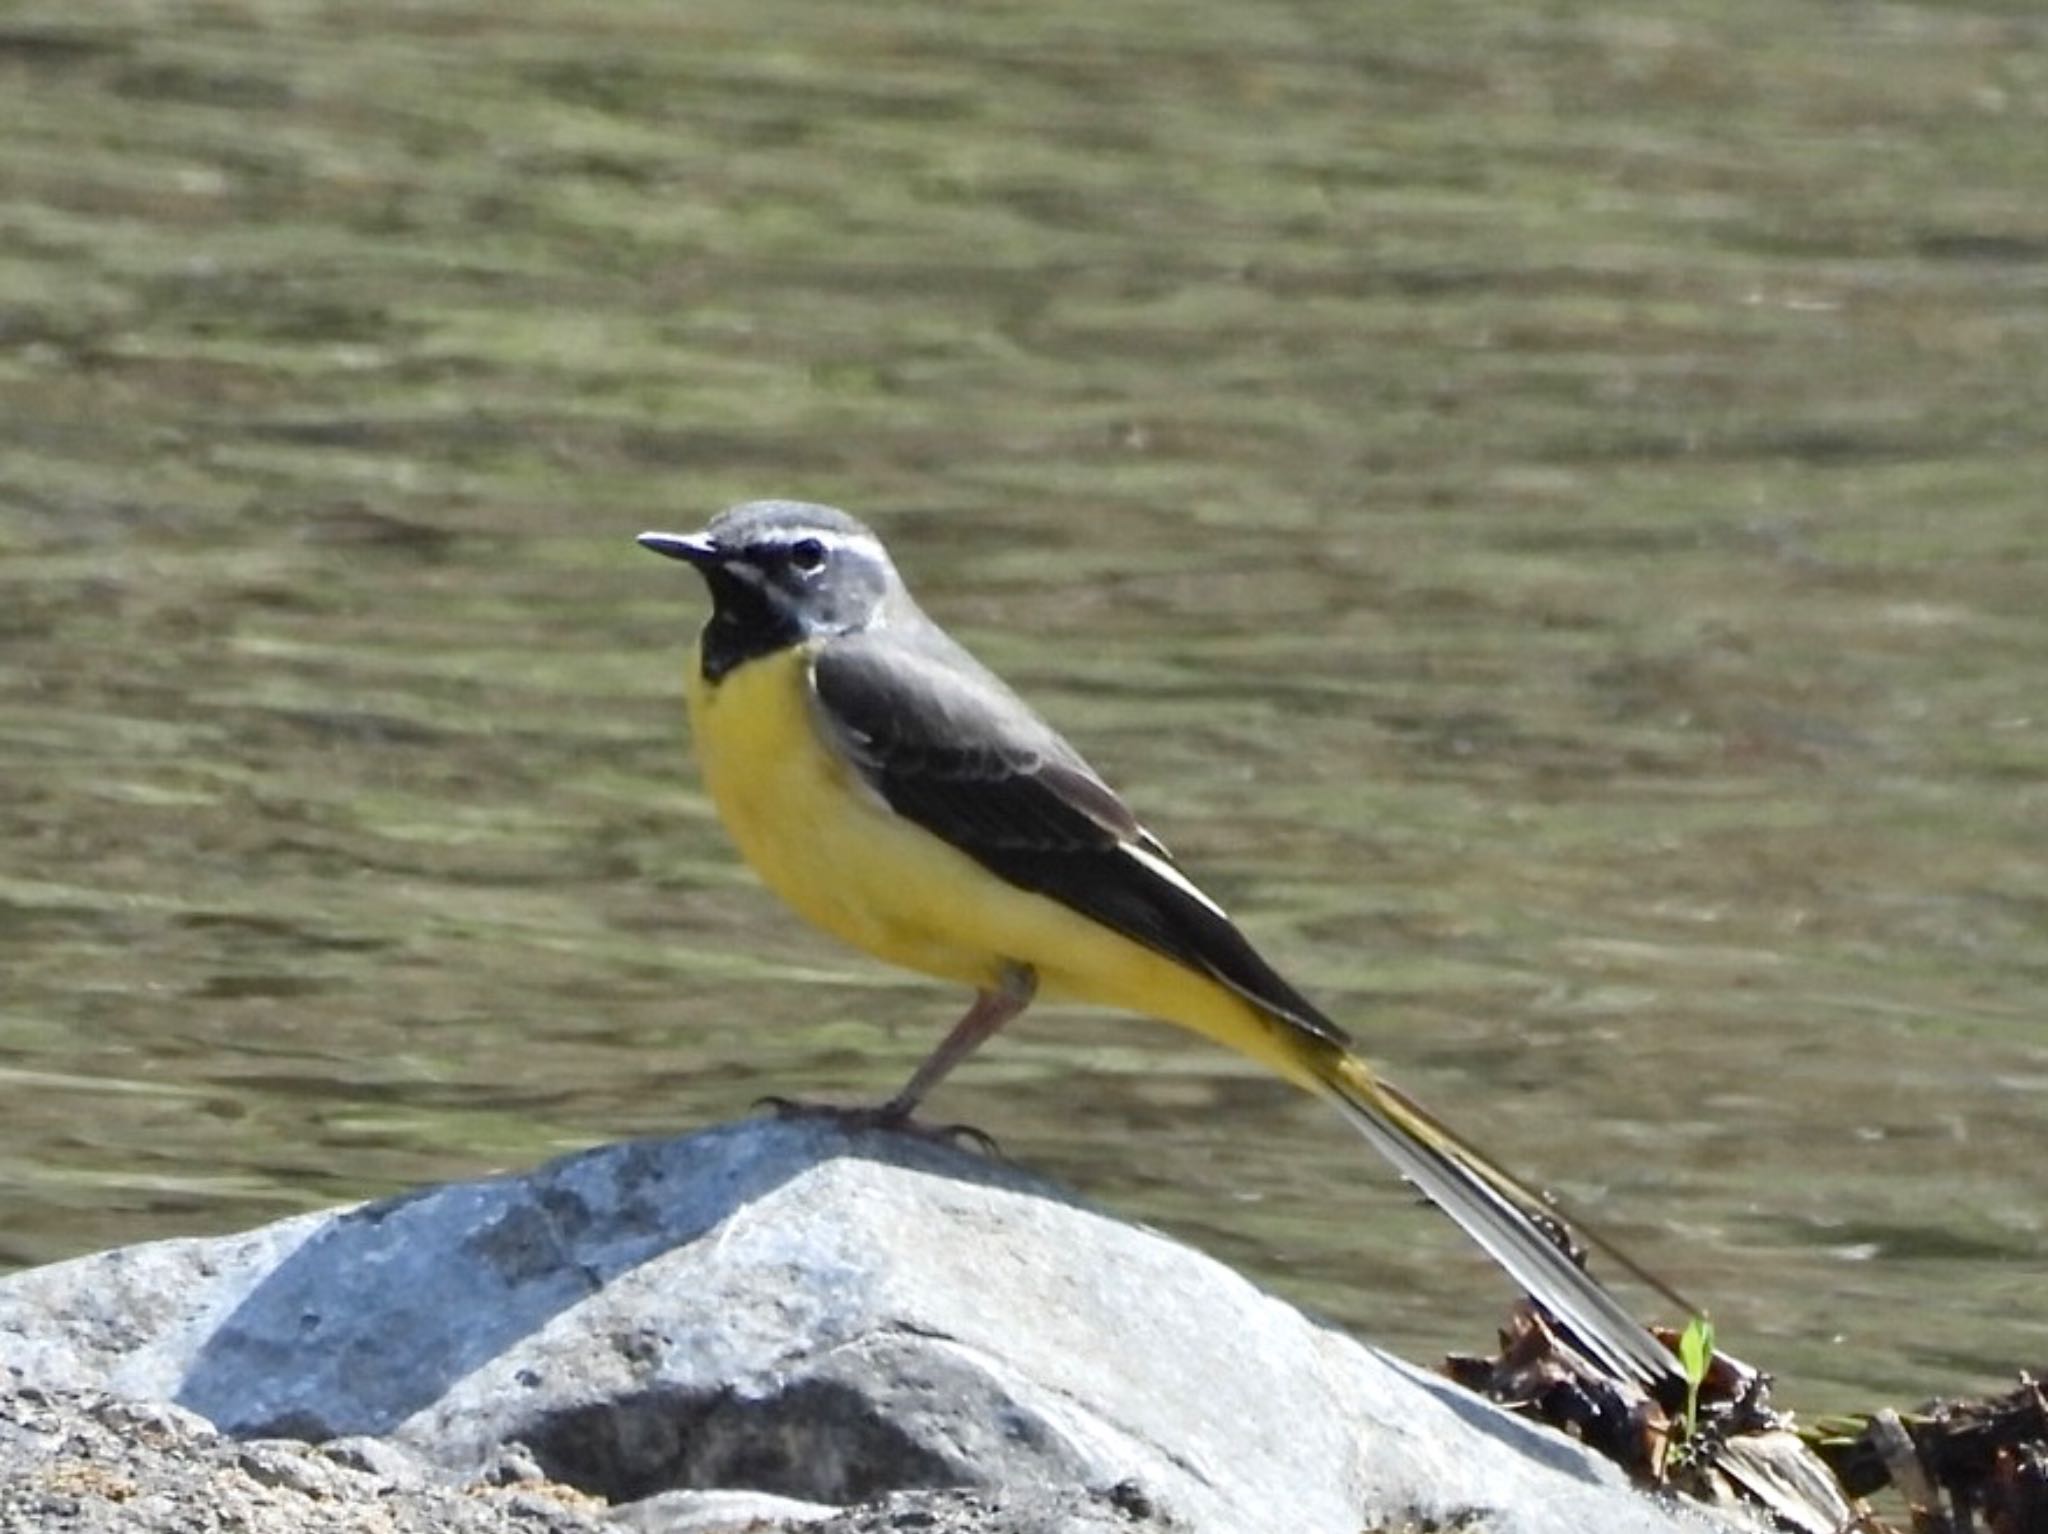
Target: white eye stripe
[785, 539]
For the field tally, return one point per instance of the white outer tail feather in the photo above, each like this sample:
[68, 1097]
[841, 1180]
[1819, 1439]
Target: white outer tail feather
[1512, 1237]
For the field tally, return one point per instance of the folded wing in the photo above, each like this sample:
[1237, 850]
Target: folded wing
[949, 747]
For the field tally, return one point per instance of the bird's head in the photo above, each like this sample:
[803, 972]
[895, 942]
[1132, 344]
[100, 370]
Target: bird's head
[780, 573]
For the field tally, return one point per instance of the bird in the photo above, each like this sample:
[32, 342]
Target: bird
[900, 796]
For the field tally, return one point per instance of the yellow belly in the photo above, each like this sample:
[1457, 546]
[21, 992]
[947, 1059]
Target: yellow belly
[823, 842]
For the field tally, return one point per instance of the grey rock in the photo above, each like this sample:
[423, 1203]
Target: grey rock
[76, 1463]
[392, 1464]
[292, 1466]
[717, 1512]
[1008, 1510]
[1014, 1510]
[783, 1307]
[510, 1465]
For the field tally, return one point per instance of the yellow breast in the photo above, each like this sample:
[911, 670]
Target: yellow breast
[816, 835]
[827, 844]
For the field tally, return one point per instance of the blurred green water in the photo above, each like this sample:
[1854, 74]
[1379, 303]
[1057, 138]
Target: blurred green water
[1540, 505]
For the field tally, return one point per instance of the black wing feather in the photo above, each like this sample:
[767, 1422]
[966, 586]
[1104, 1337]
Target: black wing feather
[948, 746]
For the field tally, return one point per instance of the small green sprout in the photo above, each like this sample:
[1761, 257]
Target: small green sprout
[1696, 1354]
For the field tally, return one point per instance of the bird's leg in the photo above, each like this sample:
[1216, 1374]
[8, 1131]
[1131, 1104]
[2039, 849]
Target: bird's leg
[990, 1010]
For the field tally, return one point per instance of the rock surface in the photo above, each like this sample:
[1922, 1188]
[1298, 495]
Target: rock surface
[74, 1463]
[898, 1334]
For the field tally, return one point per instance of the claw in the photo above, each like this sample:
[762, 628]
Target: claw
[887, 1117]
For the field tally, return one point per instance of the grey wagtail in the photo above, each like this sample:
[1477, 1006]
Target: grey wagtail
[900, 796]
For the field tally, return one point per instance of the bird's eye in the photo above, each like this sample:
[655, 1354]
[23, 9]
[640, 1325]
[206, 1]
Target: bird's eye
[807, 554]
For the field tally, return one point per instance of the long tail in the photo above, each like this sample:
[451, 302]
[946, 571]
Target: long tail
[1511, 1221]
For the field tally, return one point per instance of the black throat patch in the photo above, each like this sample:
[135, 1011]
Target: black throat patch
[744, 626]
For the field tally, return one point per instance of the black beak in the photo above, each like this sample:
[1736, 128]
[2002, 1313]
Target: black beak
[691, 548]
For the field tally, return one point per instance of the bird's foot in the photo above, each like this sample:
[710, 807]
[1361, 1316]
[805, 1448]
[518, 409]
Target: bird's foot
[886, 1116]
